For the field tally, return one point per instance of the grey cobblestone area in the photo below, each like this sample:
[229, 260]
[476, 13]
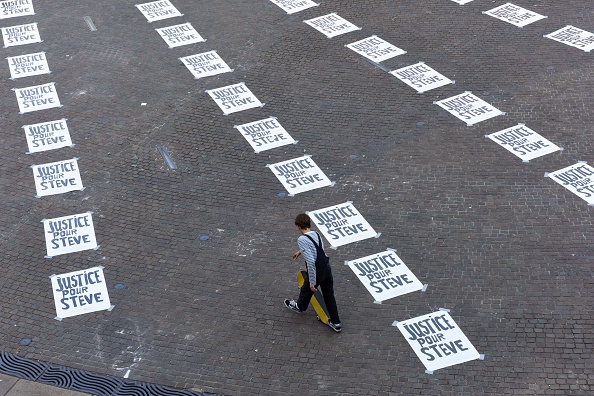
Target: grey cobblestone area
[508, 251]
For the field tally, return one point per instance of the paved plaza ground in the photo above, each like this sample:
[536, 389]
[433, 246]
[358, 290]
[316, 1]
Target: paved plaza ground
[508, 251]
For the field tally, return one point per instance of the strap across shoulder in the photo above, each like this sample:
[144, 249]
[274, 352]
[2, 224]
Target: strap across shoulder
[317, 245]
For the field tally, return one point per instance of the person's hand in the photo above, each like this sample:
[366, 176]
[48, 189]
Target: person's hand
[313, 289]
[296, 254]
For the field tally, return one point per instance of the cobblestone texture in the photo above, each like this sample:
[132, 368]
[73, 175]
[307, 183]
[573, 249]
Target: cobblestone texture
[508, 251]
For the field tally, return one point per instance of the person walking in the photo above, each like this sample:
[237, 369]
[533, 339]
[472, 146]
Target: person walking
[318, 272]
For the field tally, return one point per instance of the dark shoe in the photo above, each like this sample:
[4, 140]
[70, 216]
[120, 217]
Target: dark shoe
[336, 327]
[292, 305]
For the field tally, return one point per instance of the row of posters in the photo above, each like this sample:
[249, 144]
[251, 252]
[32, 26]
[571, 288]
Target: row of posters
[520, 17]
[435, 338]
[76, 292]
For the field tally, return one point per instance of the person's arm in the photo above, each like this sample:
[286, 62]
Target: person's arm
[308, 251]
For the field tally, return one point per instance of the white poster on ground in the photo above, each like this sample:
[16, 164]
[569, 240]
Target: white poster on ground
[293, 6]
[38, 97]
[375, 49]
[300, 174]
[179, 35]
[462, 2]
[385, 275]
[468, 108]
[574, 37]
[20, 35]
[158, 10]
[421, 77]
[57, 177]
[28, 65]
[265, 134]
[16, 8]
[205, 64]
[523, 142]
[234, 98]
[342, 224]
[437, 340]
[331, 25]
[577, 178]
[80, 292]
[514, 14]
[69, 234]
[47, 135]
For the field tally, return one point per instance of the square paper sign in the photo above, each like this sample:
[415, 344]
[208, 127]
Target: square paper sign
[265, 134]
[28, 65]
[158, 10]
[234, 98]
[299, 175]
[342, 224]
[523, 142]
[57, 177]
[69, 234]
[468, 108]
[574, 37]
[20, 35]
[375, 49]
[39, 97]
[515, 15]
[577, 178]
[332, 25]
[206, 64]
[293, 6]
[178, 35]
[16, 8]
[47, 135]
[80, 292]
[384, 275]
[421, 77]
[437, 340]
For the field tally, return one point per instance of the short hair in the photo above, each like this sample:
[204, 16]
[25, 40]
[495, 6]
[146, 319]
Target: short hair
[303, 221]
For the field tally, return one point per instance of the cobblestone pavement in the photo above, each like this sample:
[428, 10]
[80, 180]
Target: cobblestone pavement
[508, 251]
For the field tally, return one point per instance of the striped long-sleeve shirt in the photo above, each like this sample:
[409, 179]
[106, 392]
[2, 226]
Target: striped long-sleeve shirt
[308, 251]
